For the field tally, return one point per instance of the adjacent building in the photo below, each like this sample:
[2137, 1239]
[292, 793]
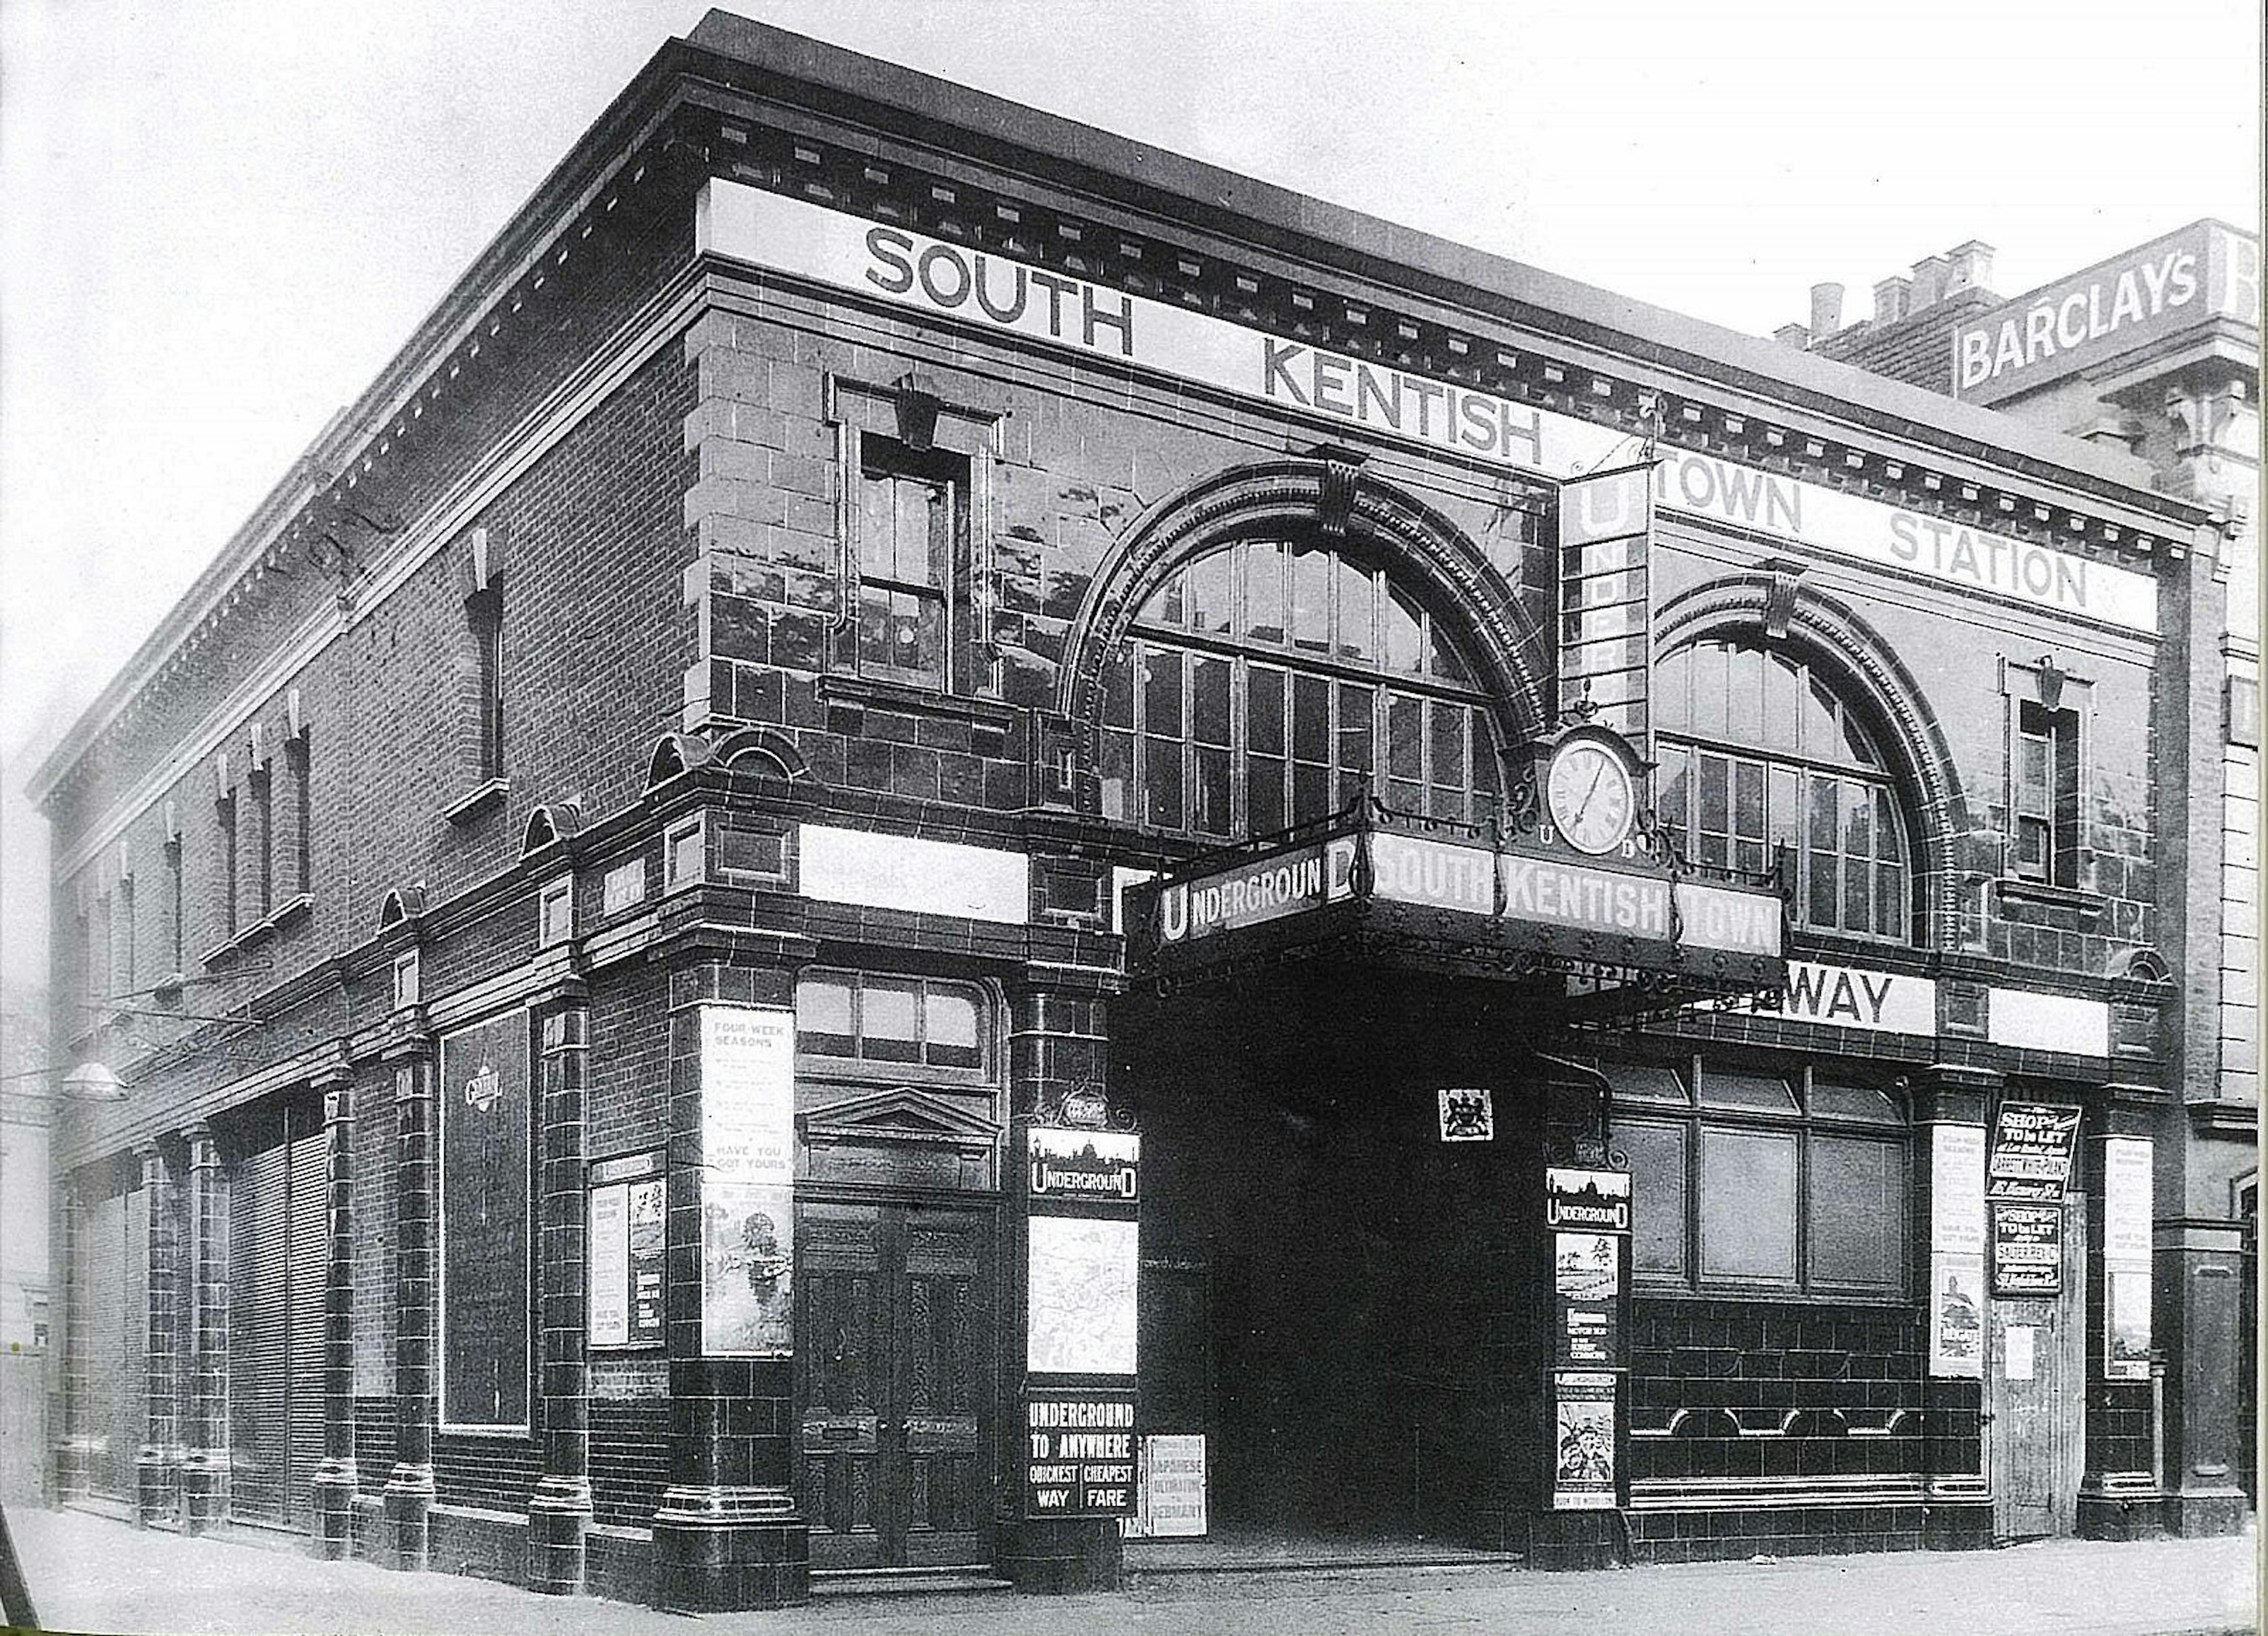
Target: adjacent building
[2156, 350]
[938, 844]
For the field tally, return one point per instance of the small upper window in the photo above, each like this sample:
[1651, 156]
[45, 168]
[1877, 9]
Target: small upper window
[912, 512]
[869, 1017]
[2047, 808]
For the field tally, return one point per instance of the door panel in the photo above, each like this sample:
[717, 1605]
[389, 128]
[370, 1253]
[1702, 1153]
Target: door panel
[2037, 1399]
[895, 1317]
[941, 1359]
[842, 1353]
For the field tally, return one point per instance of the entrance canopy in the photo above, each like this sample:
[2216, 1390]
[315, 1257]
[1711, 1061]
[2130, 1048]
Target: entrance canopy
[1600, 937]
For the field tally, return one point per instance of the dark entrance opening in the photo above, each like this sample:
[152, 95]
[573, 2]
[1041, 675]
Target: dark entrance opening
[1349, 1309]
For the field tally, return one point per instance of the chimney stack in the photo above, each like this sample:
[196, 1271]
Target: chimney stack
[1792, 335]
[1928, 283]
[1826, 310]
[1969, 267]
[1890, 299]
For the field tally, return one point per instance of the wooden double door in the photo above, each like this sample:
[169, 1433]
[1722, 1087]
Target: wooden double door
[895, 1305]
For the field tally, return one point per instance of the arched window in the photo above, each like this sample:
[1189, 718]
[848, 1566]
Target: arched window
[1756, 751]
[1267, 678]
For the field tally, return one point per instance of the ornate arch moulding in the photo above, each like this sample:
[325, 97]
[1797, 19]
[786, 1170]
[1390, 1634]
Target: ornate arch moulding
[1330, 495]
[1778, 606]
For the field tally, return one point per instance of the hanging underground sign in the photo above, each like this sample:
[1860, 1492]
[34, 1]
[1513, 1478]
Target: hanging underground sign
[2028, 1249]
[2032, 1145]
[1079, 1452]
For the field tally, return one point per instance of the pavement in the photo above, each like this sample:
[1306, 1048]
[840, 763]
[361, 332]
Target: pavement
[96, 1574]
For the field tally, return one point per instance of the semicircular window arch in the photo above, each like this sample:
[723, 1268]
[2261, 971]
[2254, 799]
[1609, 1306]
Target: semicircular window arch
[1759, 749]
[1268, 678]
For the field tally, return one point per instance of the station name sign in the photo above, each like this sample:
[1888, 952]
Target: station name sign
[992, 292]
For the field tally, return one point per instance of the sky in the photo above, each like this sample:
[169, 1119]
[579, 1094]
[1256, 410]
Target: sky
[218, 220]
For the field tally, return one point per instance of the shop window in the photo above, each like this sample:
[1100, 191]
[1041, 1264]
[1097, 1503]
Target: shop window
[1267, 680]
[2046, 809]
[912, 511]
[1755, 1182]
[1763, 763]
[927, 1022]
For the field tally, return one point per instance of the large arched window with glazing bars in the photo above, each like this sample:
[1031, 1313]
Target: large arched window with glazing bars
[1760, 749]
[1268, 678]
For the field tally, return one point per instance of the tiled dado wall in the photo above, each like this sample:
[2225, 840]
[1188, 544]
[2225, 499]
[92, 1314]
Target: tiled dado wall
[1714, 1384]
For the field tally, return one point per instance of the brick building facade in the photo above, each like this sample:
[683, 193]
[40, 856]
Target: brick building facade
[909, 815]
[2156, 350]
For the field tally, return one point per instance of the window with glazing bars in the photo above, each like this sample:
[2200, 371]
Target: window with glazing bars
[900, 1021]
[2046, 795]
[1266, 679]
[911, 504]
[1757, 752]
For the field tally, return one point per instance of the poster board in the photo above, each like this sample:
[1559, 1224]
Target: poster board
[1079, 1451]
[747, 1181]
[2027, 1249]
[2127, 1207]
[1956, 1251]
[2032, 1148]
[1588, 1216]
[1170, 1498]
[627, 1224]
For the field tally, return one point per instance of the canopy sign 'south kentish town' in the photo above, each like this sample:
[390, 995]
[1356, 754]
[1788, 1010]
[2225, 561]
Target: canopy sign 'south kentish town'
[1519, 909]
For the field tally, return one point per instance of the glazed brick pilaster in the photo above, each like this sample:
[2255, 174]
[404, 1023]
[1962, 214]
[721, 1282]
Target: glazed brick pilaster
[1058, 1042]
[1959, 1510]
[205, 1463]
[727, 1536]
[2121, 1494]
[410, 1486]
[559, 1512]
[336, 1477]
[157, 1464]
[67, 1407]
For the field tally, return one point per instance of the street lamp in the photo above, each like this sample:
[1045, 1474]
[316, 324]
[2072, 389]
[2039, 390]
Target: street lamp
[94, 1082]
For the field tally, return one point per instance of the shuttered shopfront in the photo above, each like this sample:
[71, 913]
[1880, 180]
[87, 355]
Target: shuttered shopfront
[276, 1253]
[107, 1315]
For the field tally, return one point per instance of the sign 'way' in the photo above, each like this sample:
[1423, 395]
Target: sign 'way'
[993, 291]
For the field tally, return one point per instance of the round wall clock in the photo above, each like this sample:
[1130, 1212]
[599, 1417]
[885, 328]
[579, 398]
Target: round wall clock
[1589, 793]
